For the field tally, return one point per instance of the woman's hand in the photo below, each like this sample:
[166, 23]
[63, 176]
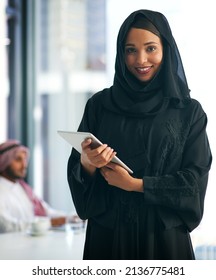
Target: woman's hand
[91, 159]
[117, 176]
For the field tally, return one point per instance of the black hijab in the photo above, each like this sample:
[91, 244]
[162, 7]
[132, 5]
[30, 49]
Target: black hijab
[169, 85]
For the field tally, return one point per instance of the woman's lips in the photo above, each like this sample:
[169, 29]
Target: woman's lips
[143, 70]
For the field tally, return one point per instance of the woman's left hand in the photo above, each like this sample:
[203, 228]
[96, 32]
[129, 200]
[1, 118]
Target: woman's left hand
[117, 176]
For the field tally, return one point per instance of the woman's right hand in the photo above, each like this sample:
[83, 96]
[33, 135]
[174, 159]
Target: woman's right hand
[91, 159]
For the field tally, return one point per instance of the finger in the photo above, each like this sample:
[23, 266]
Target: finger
[116, 167]
[94, 152]
[100, 149]
[107, 153]
[86, 143]
[112, 165]
[105, 157]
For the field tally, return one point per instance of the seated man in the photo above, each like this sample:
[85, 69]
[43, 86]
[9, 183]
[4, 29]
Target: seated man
[18, 203]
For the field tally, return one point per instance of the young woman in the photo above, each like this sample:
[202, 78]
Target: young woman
[149, 119]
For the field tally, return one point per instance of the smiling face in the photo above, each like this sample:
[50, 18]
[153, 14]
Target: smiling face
[143, 53]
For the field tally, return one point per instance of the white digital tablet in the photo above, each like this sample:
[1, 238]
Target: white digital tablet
[76, 138]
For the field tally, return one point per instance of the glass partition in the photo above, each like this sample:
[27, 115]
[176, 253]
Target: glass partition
[69, 67]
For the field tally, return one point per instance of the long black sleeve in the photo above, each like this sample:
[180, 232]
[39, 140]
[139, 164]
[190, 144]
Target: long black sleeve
[184, 190]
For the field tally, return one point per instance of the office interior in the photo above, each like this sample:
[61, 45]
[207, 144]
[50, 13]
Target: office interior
[55, 54]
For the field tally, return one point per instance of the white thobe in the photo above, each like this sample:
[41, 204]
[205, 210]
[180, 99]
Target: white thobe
[16, 209]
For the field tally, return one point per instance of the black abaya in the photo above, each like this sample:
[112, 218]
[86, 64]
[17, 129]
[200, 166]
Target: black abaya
[165, 144]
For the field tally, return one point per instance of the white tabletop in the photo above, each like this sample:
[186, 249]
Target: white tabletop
[55, 245]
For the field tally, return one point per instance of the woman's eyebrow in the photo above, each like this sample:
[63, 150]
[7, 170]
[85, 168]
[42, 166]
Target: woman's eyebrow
[146, 44]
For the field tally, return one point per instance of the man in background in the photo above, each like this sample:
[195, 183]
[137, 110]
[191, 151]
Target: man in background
[18, 204]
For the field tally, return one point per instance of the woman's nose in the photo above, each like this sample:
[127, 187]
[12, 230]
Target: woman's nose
[141, 57]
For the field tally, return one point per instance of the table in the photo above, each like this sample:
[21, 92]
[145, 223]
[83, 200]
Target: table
[55, 245]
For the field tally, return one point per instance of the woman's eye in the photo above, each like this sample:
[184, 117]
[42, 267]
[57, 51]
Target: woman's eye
[130, 50]
[151, 48]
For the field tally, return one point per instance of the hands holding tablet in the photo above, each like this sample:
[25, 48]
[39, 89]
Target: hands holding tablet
[76, 138]
[95, 154]
[113, 173]
[95, 158]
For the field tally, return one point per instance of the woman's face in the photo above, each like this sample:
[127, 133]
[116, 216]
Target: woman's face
[143, 53]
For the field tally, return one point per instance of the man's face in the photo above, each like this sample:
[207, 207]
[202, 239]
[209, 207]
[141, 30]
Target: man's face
[18, 167]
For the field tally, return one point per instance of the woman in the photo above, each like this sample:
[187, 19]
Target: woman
[149, 119]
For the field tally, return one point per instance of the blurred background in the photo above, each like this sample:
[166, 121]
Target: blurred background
[54, 54]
